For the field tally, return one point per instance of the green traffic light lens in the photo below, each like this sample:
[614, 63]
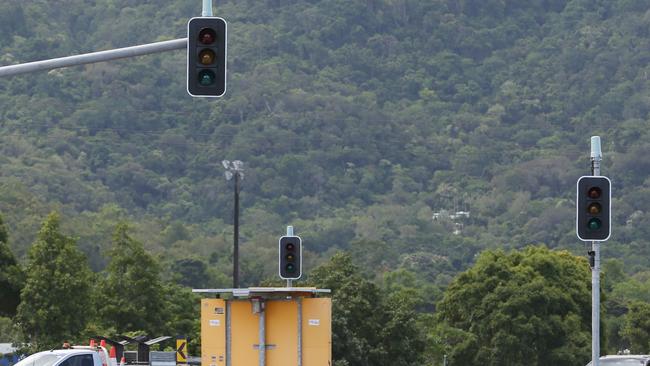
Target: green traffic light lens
[207, 36]
[594, 224]
[290, 268]
[206, 57]
[206, 77]
[594, 193]
[594, 208]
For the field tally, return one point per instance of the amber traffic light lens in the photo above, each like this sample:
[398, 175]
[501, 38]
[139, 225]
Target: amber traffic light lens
[594, 208]
[290, 257]
[207, 36]
[206, 57]
[594, 193]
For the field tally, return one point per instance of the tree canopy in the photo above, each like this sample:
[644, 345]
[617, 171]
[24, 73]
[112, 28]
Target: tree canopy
[131, 293]
[11, 276]
[55, 303]
[523, 307]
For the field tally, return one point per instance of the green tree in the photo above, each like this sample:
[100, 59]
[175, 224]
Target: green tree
[9, 332]
[55, 301]
[527, 307]
[183, 309]
[636, 330]
[369, 328]
[190, 272]
[132, 295]
[11, 276]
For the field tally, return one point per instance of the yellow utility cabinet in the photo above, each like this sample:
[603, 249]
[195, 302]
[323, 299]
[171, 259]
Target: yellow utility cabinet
[213, 330]
[282, 332]
[266, 327]
[317, 332]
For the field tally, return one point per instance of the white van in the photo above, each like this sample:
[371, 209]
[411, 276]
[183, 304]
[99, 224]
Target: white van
[66, 357]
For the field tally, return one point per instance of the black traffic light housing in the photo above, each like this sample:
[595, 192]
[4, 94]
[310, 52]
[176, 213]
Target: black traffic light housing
[290, 251]
[206, 57]
[593, 208]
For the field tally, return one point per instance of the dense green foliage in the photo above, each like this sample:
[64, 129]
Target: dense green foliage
[55, 302]
[531, 307]
[637, 327]
[357, 121]
[11, 276]
[131, 296]
[368, 329]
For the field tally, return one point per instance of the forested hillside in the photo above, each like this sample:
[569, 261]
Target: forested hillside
[359, 122]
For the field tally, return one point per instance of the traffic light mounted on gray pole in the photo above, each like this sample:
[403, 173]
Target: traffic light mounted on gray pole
[593, 208]
[206, 57]
[290, 253]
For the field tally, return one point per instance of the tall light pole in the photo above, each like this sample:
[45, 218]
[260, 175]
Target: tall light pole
[235, 169]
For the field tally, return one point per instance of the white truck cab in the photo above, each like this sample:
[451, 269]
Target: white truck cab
[77, 356]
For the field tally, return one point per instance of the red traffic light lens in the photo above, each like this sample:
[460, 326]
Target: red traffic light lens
[594, 208]
[207, 36]
[206, 57]
[290, 246]
[594, 193]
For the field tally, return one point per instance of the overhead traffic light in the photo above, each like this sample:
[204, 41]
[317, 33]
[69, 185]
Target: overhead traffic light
[206, 57]
[593, 208]
[290, 257]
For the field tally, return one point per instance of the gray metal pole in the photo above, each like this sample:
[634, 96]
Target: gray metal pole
[262, 335]
[207, 8]
[596, 157]
[228, 332]
[289, 233]
[299, 300]
[89, 58]
[235, 259]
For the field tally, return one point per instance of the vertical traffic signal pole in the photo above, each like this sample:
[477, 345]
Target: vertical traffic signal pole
[289, 233]
[207, 8]
[594, 224]
[235, 255]
[596, 157]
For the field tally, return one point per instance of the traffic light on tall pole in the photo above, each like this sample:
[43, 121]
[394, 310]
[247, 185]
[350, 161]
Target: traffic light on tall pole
[290, 257]
[593, 208]
[206, 57]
